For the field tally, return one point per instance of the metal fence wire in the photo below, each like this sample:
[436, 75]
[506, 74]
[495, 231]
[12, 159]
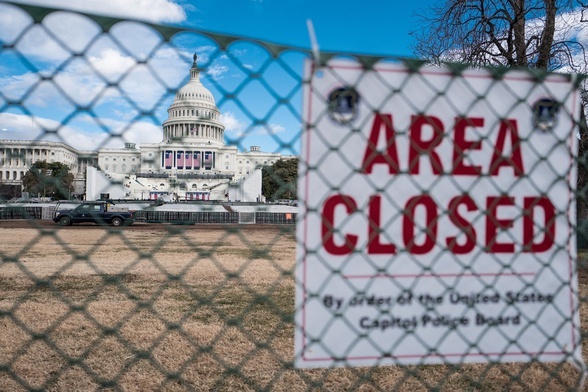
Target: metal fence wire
[196, 307]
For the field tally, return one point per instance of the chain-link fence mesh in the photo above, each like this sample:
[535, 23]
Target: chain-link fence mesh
[208, 301]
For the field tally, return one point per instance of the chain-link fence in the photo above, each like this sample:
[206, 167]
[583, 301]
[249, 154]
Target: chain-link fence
[194, 306]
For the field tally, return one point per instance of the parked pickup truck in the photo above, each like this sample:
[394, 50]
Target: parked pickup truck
[100, 212]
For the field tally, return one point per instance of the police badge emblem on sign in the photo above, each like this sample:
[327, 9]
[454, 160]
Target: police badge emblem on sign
[437, 217]
[343, 104]
[545, 114]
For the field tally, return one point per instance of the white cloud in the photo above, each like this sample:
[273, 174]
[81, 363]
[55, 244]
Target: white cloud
[111, 63]
[73, 33]
[14, 87]
[23, 127]
[84, 80]
[80, 82]
[237, 129]
[269, 129]
[138, 132]
[217, 71]
[63, 34]
[151, 10]
[232, 124]
[143, 132]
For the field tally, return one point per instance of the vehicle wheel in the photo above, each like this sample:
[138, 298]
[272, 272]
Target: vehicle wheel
[116, 222]
[65, 221]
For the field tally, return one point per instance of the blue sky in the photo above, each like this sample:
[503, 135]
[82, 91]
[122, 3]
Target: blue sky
[263, 112]
[368, 27]
[30, 107]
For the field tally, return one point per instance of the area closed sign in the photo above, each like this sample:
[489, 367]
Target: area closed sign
[437, 220]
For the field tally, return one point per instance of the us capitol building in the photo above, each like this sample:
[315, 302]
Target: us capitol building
[192, 162]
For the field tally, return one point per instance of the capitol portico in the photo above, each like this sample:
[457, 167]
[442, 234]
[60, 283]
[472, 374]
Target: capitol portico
[192, 162]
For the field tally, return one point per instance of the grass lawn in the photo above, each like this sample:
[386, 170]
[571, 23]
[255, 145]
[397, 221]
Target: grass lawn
[170, 308]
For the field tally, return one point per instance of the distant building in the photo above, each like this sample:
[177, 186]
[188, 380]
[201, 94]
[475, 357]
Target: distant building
[192, 162]
[17, 157]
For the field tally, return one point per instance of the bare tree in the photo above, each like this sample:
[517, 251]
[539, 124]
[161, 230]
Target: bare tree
[528, 33]
[544, 34]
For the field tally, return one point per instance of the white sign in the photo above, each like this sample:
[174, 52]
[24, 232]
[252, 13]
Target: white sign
[437, 221]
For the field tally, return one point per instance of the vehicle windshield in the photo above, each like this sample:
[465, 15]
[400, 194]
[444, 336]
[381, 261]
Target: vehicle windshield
[88, 208]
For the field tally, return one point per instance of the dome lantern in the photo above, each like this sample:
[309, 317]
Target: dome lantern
[195, 71]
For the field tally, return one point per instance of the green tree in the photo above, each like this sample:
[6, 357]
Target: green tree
[49, 180]
[279, 181]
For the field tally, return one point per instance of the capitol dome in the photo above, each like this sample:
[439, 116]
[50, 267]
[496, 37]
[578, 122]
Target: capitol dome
[194, 90]
[193, 115]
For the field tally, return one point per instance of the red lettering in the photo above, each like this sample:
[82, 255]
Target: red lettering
[461, 145]
[507, 146]
[538, 233]
[328, 225]
[493, 224]
[372, 156]
[515, 159]
[462, 224]
[375, 246]
[408, 225]
[548, 224]
[419, 147]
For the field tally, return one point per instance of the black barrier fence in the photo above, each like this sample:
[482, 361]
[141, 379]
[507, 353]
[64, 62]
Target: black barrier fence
[211, 217]
[186, 217]
[273, 218]
[177, 217]
[21, 213]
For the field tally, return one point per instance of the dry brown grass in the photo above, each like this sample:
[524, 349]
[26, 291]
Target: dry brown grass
[182, 308]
